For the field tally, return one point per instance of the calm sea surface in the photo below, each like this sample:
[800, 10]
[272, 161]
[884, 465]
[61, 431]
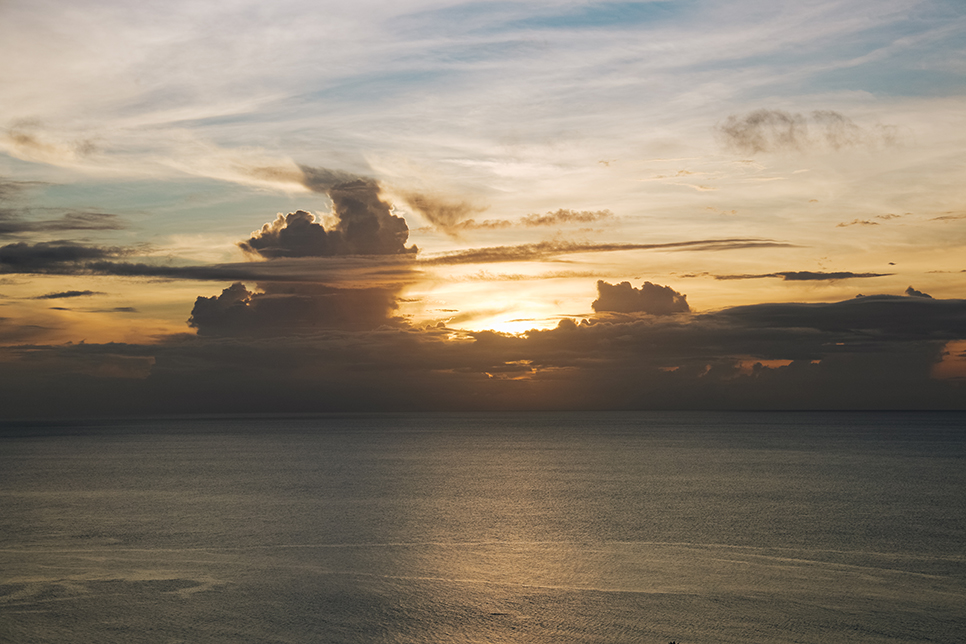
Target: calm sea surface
[564, 528]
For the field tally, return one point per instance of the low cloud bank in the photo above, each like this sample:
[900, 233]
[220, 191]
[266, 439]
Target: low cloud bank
[874, 352]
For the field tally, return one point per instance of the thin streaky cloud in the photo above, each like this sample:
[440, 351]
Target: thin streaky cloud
[552, 249]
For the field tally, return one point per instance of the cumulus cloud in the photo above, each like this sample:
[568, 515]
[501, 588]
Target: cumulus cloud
[296, 234]
[651, 298]
[366, 226]
[768, 130]
[914, 293]
[285, 309]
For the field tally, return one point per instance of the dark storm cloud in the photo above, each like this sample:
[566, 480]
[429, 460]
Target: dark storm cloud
[914, 293]
[287, 309]
[543, 251]
[768, 130]
[802, 276]
[650, 298]
[67, 294]
[366, 226]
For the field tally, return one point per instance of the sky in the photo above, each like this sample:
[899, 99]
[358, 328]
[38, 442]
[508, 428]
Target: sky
[252, 207]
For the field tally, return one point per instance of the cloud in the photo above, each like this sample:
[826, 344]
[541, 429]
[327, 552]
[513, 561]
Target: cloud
[871, 352]
[12, 223]
[11, 189]
[767, 130]
[650, 298]
[296, 234]
[486, 224]
[949, 217]
[366, 226]
[287, 309]
[49, 256]
[322, 180]
[485, 276]
[451, 217]
[67, 294]
[562, 217]
[64, 258]
[868, 222]
[444, 215]
[801, 276]
[544, 251]
[558, 218]
[857, 222]
[914, 293]
[25, 142]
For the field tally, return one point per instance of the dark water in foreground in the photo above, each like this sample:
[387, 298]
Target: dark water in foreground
[565, 528]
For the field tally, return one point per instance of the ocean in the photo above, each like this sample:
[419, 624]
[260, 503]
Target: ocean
[611, 528]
